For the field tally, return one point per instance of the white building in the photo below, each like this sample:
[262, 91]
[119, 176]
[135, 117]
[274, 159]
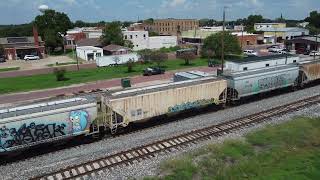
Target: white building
[157, 42]
[89, 53]
[116, 59]
[252, 63]
[141, 40]
[260, 26]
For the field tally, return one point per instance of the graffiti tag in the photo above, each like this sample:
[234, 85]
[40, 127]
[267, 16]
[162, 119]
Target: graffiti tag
[272, 82]
[10, 137]
[191, 105]
[79, 120]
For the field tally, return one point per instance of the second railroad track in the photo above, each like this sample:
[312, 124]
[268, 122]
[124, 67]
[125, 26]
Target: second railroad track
[137, 154]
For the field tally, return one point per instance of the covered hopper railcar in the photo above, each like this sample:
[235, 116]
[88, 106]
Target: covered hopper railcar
[139, 104]
[247, 83]
[309, 72]
[29, 125]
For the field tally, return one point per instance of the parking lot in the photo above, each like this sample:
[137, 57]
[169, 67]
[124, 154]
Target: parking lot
[36, 64]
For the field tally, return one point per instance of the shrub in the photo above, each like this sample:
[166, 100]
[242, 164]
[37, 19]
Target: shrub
[60, 74]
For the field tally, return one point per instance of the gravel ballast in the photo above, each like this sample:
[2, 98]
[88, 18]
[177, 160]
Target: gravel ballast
[54, 161]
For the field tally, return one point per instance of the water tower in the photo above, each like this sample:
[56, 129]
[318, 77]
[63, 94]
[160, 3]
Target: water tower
[43, 8]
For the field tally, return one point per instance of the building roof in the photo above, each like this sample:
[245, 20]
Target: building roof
[90, 42]
[114, 47]
[268, 23]
[262, 58]
[289, 29]
[89, 48]
[18, 40]
[306, 38]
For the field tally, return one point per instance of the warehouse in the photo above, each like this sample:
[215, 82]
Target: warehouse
[251, 63]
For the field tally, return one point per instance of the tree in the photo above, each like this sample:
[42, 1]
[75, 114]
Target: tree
[130, 65]
[158, 57]
[152, 33]
[187, 56]
[52, 25]
[214, 43]
[116, 60]
[112, 34]
[314, 22]
[145, 54]
[128, 44]
[1, 50]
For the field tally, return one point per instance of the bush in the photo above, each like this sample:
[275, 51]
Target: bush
[60, 74]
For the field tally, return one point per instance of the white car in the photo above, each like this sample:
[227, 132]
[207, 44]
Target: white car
[314, 53]
[31, 57]
[250, 52]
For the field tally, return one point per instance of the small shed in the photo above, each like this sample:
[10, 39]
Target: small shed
[89, 53]
[114, 49]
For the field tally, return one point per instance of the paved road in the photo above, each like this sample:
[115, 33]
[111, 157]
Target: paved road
[107, 84]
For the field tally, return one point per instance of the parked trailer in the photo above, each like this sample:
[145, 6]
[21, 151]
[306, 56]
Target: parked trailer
[248, 83]
[309, 71]
[140, 104]
[116, 59]
[30, 125]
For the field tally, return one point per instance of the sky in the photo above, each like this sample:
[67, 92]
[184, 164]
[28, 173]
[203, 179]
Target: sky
[24, 11]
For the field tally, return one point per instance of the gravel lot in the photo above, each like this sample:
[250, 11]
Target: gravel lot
[57, 160]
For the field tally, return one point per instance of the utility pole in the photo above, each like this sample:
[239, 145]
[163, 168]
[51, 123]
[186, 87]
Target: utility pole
[242, 28]
[222, 39]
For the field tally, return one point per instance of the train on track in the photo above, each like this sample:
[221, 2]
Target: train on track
[29, 125]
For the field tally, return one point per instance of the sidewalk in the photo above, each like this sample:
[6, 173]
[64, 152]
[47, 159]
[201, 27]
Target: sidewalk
[106, 84]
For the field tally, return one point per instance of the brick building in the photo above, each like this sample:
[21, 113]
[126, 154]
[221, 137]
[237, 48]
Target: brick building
[174, 26]
[17, 47]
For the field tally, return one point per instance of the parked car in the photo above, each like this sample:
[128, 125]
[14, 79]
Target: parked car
[31, 57]
[153, 71]
[314, 53]
[2, 59]
[273, 46]
[249, 52]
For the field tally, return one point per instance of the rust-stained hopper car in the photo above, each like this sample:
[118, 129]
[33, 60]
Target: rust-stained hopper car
[140, 104]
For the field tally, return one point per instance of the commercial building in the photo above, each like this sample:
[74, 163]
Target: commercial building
[141, 40]
[197, 36]
[252, 63]
[174, 27]
[89, 53]
[260, 26]
[301, 44]
[74, 35]
[282, 34]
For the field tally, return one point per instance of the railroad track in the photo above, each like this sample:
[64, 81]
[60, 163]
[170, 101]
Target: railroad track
[137, 154]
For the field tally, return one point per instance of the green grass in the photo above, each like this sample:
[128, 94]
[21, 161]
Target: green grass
[36, 82]
[9, 69]
[287, 151]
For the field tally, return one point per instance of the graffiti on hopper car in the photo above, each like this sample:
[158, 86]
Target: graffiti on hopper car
[191, 105]
[272, 82]
[10, 137]
[79, 120]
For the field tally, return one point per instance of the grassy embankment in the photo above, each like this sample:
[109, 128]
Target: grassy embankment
[287, 151]
[36, 82]
[9, 69]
